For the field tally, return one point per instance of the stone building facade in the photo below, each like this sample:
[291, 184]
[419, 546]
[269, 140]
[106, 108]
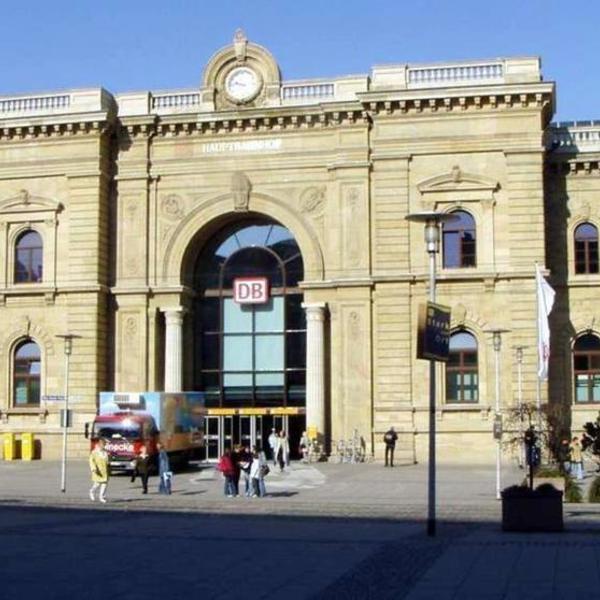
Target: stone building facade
[125, 219]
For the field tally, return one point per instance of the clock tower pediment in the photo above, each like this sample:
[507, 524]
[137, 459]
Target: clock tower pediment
[241, 75]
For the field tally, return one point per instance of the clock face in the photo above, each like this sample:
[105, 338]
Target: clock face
[242, 84]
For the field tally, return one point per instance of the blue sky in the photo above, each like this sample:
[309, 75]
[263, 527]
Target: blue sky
[126, 45]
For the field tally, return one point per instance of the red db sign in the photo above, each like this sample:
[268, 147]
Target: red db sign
[251, 290]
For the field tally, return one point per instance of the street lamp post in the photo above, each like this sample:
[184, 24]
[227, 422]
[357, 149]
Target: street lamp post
[519, 352]
[432, 222]
[497, 343]
[68, 348]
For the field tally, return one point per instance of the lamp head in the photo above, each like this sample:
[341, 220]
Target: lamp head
[497, 337]
[431, 220]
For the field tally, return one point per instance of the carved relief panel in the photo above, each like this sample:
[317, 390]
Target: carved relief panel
[355, 373]
[171, 209]
[130, 352]
[312, 204]
[355, 232]
[132, 239]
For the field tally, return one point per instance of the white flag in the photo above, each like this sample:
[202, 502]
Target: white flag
[545, 302]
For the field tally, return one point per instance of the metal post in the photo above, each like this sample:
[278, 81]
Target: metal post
[497, 345]
[432, 221]
[68, 341]
[431, 488]
[63, 477]
[519, 350]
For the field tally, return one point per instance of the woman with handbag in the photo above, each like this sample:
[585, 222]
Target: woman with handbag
[100, 471]
[227, 469]
[260, 472]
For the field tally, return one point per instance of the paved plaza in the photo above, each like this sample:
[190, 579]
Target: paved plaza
[325, 531]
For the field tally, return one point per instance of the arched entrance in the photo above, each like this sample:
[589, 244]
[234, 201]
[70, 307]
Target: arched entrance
[249, 334]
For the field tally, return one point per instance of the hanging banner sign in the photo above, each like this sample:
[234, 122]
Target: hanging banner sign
[433, 335]
[251, 290]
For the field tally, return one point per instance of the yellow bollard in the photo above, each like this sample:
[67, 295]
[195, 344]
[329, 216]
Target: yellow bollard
[10, 446]
[27, 446]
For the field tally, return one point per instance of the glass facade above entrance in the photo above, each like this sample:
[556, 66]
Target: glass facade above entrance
[250, 354]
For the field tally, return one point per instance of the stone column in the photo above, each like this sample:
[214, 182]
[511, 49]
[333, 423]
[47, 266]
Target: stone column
[315, 367]
[173, 349]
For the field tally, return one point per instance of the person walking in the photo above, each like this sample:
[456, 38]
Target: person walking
[235, 459]
[564, 452]
[100, 472]
[263, 470]
[142, 468]
[304, 447]
[282, 450]
[245, 461]
[165, 475]
[227, 469]
[255, 475]
[273, 445]
[389, 440]
[576, 458]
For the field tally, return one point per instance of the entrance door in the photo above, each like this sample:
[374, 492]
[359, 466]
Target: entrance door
[212, 437]
[245, 431]
[280, 422]
[227, 433]
[258, 432]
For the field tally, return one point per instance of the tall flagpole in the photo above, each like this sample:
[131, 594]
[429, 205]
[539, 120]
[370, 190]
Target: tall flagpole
[539, 363]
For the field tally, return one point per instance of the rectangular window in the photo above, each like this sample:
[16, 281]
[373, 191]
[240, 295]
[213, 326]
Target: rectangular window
[269, 317]
[581, 387]
[21, 396]
[268, 352]
[451, 251]
[595, 388]
[237, 353]
[237, 318]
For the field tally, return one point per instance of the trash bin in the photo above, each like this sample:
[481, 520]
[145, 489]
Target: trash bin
[10, 446]
[27, 446]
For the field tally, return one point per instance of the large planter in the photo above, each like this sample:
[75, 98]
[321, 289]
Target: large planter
[526, 510]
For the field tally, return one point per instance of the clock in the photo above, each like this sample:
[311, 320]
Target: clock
[242, 84]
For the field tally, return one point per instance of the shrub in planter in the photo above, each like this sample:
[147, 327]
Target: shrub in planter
[594, 491]
[572, 489]
[524, 509]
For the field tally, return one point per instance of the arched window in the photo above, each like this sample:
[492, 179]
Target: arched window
[250, 354]
[458, 240]
[462, 381]
[586, 249]
[29, 255]
[26, 374]
[586, 368]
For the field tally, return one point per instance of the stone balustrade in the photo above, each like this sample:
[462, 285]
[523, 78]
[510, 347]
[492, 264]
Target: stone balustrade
[448, 75]
[307, 92]
[177, 100]
[574, 136]
[37, 104]
[68, 102]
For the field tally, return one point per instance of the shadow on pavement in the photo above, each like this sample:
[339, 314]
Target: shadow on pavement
[111, 551]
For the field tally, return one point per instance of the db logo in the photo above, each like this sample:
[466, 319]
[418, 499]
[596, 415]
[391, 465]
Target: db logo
[251, 290]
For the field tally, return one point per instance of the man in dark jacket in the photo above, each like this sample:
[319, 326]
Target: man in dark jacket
[389, 439]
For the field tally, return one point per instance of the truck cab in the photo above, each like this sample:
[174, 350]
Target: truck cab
[124, 434]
